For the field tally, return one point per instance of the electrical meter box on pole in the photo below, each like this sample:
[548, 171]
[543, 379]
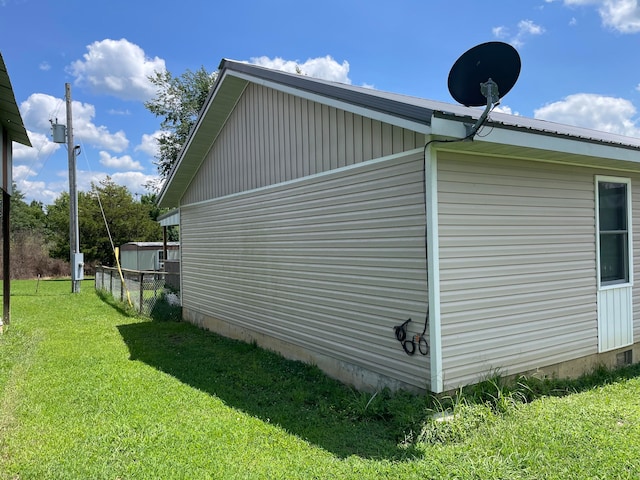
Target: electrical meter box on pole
[78, 266]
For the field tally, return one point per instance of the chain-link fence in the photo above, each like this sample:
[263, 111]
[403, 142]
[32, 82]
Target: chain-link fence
[141, 289]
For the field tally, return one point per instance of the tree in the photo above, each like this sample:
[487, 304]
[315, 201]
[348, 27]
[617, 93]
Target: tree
[30, 240]
[151, 200]
[127, 219]
[178, 102]
[26, 217]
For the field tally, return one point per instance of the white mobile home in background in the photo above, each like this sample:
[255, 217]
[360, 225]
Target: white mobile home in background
[147, 255]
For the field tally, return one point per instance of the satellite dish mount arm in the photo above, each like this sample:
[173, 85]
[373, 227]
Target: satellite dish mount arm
[489, 90]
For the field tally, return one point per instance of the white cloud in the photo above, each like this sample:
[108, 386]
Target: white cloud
[33, 190]
[620, 15]
[325, 68]
[526, 29]
[113, 111]
[84, 130]
[38, 191]
[500, 32]
[29, 162]
[134, 181]
[119, 68]
[21, 172]
[505, 109]
[42, 148]
[39, 109]
[149, 143]
[44, 66]
[119, 163]
[609, 114]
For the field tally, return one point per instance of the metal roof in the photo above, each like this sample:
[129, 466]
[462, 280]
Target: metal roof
[148, 245]
[9, 114]
[401, 110]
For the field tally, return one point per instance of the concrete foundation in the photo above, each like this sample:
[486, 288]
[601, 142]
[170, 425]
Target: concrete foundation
[368, 381]
[574, 368]
[345, 372]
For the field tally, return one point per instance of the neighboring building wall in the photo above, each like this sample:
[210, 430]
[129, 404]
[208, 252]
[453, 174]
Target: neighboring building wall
[517, 265]
[272, 137]
[140, 257]
[320, 269]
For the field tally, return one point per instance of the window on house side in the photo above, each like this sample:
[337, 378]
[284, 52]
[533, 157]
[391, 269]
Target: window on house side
[613, 221]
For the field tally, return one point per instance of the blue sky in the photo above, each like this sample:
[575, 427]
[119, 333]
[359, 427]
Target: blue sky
[579, 63]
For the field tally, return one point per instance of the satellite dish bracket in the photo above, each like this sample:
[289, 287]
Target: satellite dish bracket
[489, 90]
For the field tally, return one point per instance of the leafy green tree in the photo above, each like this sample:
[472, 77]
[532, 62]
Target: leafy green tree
[173, 231]
[150, 200]
[30, 240]
[58, 225]
[26, 217]
[178, 102]
[127, 219]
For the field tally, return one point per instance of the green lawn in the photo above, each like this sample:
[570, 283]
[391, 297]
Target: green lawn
[89, 392]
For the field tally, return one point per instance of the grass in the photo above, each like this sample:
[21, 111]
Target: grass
[89, 390]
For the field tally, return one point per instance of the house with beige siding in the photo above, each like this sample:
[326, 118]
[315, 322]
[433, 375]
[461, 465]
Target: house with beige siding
[317, 218]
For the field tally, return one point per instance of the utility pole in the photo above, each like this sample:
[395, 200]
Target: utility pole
[76, 259]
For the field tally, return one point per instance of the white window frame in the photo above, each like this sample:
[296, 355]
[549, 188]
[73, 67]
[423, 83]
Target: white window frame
[627, 181]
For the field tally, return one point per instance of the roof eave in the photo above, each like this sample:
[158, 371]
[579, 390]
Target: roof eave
[10, 117]
[237, 75]
[196, 146]
[421, 115]
[582, 146]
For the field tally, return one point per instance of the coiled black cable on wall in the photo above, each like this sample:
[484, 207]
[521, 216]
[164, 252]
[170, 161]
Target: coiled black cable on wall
[409, 344]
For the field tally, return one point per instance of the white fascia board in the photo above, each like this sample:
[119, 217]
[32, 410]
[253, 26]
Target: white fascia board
[536, 140]
[332, 102]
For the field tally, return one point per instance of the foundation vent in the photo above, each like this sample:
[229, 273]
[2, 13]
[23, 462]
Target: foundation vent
[624, 358]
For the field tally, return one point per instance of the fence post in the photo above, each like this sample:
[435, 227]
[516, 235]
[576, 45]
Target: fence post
[141, 290]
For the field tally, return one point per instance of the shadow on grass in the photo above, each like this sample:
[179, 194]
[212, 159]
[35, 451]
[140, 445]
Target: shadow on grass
[296, 396]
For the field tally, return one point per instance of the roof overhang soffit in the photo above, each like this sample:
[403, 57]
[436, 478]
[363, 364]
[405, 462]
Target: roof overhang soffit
[10, 117]
[527, 144]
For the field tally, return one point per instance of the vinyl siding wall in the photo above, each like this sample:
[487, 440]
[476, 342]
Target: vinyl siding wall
[635, 221]
[272, 137]
[329, 263]
[517, 265]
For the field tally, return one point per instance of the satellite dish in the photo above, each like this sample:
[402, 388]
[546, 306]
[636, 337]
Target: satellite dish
[480, 75]
[483, 74]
